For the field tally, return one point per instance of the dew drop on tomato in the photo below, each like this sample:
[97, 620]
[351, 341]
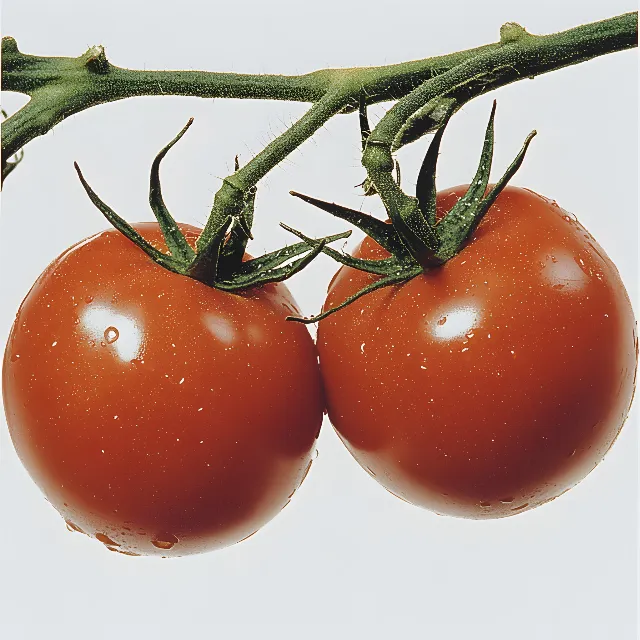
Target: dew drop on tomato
[111, 334]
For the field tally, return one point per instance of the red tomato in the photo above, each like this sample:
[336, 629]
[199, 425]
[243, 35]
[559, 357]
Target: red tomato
[157, 414]
[494, 383]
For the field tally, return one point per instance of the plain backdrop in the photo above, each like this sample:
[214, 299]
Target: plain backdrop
[346, 559]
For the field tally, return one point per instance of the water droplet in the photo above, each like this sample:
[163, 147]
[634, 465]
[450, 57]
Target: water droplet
[165, 541]
[89, 299]
[106, 540]
[522, 506]
[572, 454]
[507, 500]
[558, 286]
[485, 504]
[111, 334]
[73, 527]
[442, 320]
[14, 357]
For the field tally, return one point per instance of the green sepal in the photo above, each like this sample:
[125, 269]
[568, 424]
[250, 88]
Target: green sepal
[454, 227]
[383, 233]
[374, 286]
[463, 225]
[266, 269]
[417, 235]
[426, 183]
[383, 267]
[176, 242]
[168, 262]
[276, 258]
[205, 265]
[510, 172]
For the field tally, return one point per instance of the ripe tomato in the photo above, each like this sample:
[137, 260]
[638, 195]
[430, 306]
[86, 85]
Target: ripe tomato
[157, 414]
[494, 383]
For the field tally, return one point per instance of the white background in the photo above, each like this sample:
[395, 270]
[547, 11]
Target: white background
[346, 559]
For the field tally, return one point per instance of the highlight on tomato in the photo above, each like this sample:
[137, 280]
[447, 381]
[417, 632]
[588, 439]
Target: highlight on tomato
[162, 414]
[478, 354]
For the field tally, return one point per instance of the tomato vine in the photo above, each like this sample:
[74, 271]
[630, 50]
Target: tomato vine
[427, 91]
[61, 87]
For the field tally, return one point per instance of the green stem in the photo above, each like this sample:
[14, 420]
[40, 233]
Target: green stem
[229, 199]
[61, 87]
[521, 55]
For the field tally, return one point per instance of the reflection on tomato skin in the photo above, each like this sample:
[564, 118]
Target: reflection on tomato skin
[490, 385]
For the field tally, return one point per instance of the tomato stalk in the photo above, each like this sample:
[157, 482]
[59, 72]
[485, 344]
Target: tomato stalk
[60, 87]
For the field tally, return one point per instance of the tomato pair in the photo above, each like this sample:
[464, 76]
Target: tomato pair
[163, 416]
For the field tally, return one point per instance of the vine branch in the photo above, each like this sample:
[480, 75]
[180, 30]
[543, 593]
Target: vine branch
[61, 87]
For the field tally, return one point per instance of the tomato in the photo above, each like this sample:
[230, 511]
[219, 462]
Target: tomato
[491, 384]
[157, 414]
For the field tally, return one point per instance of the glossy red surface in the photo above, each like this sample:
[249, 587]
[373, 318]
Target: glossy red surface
[159, 415]
[494, 383]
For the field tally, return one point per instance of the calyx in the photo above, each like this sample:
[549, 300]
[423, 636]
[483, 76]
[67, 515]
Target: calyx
[416, 239]
[219, 261]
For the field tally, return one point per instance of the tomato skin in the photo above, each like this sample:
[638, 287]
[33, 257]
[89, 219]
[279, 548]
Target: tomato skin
[494, 383]
[157, 414]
